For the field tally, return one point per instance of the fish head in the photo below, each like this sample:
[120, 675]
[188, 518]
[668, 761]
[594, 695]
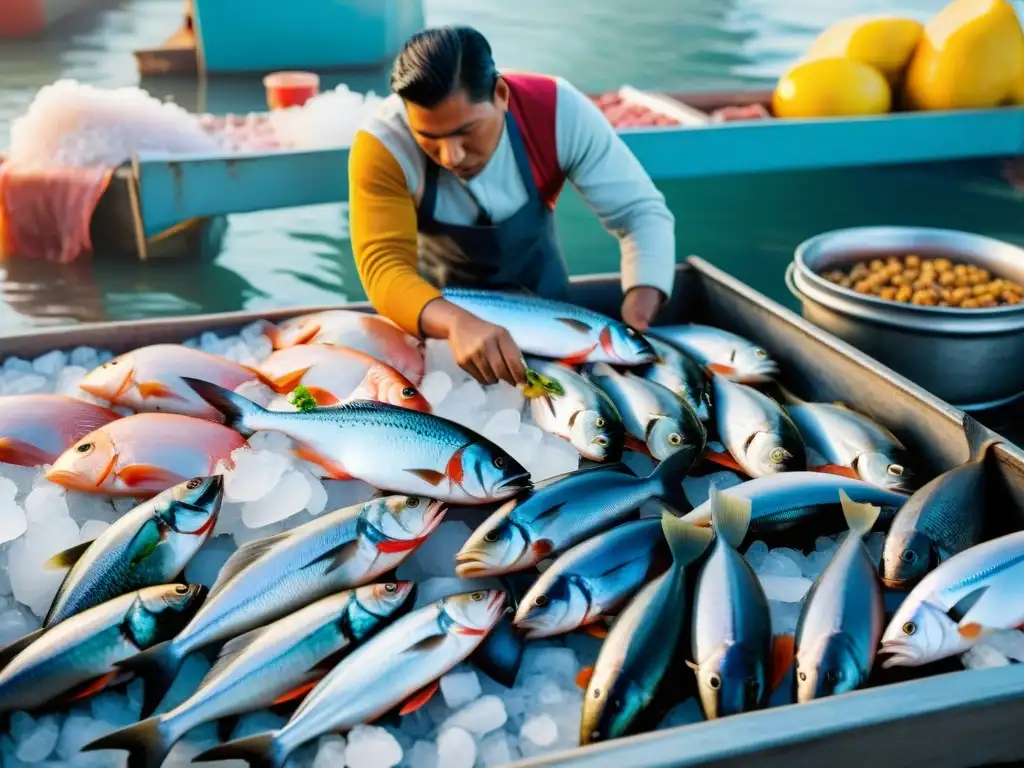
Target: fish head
[403, 518]
[194, 505]
[87, 464]
[554, 605]
[386, 385]
[828, 667]
[159, 613]
[920, 632]
[297, 330]
[488, 472]
[752, 365]
[882, 471]
[474, 613]
[733, 680]
[111, 379]
[768, 455]
[907, 556]
[597, 436]
[625, 345]
[385, 598]
[611, 704]
[666, 437]
[499, 545]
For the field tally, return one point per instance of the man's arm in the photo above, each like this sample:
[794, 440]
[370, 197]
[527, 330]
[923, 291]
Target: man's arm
[614, 184]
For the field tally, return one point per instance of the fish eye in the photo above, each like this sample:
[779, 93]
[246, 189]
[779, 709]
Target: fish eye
[895, 469]
[194, 483]
[599, 422]
[390, 588]
[181, 589]
[760, 353]
[85, 447]
[908, 556]
[675, 439]
[715, 682]
[499, 462]
[803, 675]
[476, 597]
[601, 440]
[412, 502]
[491, 537]
[541, 600]
[909, 628]
[408, 392]
[777, 455]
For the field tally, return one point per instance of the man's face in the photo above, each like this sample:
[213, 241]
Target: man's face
[459, 134]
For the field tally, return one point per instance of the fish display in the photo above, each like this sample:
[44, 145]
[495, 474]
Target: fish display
[269, 578]
[36, 429]
[149, 545]
[273, 664]
[657, 421]
[853, 445]
[944, 517]
[390, 448]
[757, 432]
[401, 665]
[721, 352]
[841, 620]
[567, 405]
[565, 510]
[679, 373]
[148, 379]
[642, 642]
[143, 454]
[371, 334]
[83, 654]
[554, 329]
[334, 374]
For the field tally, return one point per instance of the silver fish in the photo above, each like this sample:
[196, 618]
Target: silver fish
[83, 654]
[969, 596]
[269, 578]
[783, 501]
[944, 517]
[756, 431]
[853, 445]
[594, 579]
[732, 632]
[842, 617]
[149, 545]
[578, 411]
[563, 511]
[678, 372]
[658, 422]
[405, 658]
[388, 447]
[641, 643]
[555, 329]
[255, 670]
[719, 351]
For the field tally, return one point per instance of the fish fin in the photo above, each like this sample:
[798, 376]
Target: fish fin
[69, 556]
[583, 677]
[335, 470]
[15, 451]
[245, 556]
[156, 389]
[12, 649]
[340, 555]
[427, 644]
[783, 653]
[135, 475]
[721, 368]
[964, 604]
[147, 743]
[240, 413]
[322, 396]
[500, 655]
[668, 478]
[260, 751]
[576, 358]
[297, 692]
[595, 630]
[431, 476]
[693, 665]
[686, 541]
[286, 382]
[861, 518]
[542, 548]
[730, 516]
[419, 698]
[548, 512]
[835, 469]
[394, 546]
[157, 666]
[230, 651]
[634, 444]
[90, 687]
[576, 325]
[723, 459]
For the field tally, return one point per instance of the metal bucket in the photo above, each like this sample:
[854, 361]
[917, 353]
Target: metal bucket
[972, 358]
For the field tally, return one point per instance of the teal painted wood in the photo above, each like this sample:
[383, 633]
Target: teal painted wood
[266, 35]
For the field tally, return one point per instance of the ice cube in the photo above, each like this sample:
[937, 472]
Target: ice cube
[40, 741]
[270, 441]
[46, 502]
[558, 458]
[113, 708]
[68, 379]
[15, 623]
[438, 357]
[825, 543]
[49, 365]
[756, 554]
[77, 731]
[8, 489]
[530, 433]
[540, 730]
[983, 656]
[435, 387]
[776, 564]
[795, 555]
[286, 498]
[465, 405]
[13, 522]
[330, 752]
[498, 749]
[24, 384]
[482, 716]
[557, 663]
[84, 357]
[784, 617]
[92, 529]
[372, 747]
[459, 688]
[455, 749]
[317, 494]
[786, 589]
[422, 755]
[501, 423]
[503, 396]
[815, 563]
[255, 475]
[90, 506]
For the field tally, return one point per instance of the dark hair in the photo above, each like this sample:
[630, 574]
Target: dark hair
[435, 63]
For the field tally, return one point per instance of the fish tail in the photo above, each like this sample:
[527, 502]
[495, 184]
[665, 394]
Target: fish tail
[686, 541]
[730, 516]
[860, 517]
[157, 666]
[147, 743]
[261, 751]
[667, 478]
[240, 413]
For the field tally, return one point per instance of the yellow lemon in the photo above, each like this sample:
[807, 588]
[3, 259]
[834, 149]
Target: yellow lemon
[970, 56]
[831, 88]
[884, 42]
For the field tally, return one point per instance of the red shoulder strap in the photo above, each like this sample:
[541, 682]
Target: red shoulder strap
[532, 101]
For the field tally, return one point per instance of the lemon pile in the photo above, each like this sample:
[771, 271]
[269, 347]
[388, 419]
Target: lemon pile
[969, 56]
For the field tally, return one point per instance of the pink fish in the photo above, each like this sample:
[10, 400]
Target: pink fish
[36, 429]
[334, 375]
[149, 379]
[375, 335]
[144, 454]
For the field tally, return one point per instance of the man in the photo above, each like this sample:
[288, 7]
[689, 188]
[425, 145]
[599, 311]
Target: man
[456, 176]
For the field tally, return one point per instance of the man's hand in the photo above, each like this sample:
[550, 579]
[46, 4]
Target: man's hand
[485, 351]
[640, 305]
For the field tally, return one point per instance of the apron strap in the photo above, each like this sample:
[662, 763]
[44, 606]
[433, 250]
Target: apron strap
[522, 159]
[429, 200]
